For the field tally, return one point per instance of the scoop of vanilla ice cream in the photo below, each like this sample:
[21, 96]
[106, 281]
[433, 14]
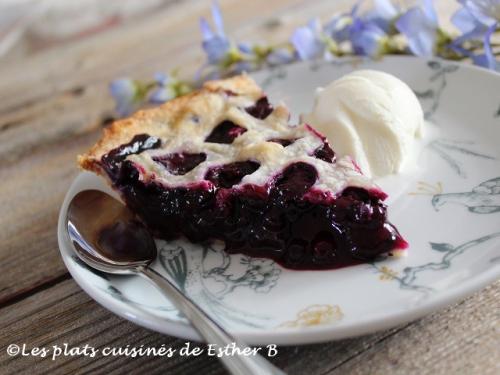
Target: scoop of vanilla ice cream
[370, 115]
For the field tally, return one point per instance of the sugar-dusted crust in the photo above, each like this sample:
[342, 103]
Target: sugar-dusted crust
[159, 121]
[183, 125]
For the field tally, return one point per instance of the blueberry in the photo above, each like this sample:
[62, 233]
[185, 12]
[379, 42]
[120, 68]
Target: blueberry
[261, 109]
[225, 132]
[180, 163]
[228, 175]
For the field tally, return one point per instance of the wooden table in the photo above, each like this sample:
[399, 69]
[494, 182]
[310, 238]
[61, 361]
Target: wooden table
[53, 106]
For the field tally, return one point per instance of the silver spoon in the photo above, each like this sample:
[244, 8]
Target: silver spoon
[106, 236]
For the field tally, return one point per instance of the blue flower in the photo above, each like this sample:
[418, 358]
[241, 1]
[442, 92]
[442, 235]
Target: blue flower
[338, 27]
[307, 40]
[124, 92]
[130, 94]
[163, 91]
[478, 20]
[280, 56]
[215, 43]
[245, 47]
[486, 12]
[383, 14]
[245, 58]
[366, 37]
[420, 25]
[487, 59]
[363, 31]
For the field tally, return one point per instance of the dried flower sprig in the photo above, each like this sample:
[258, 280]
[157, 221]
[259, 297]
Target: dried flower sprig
[384, 29]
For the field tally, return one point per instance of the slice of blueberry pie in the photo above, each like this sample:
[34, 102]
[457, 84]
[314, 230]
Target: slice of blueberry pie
[223, 163]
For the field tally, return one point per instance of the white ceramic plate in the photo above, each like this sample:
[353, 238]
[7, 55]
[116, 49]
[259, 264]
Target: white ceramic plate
[448, 210]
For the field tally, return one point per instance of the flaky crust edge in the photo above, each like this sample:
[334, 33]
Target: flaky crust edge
[123, 130]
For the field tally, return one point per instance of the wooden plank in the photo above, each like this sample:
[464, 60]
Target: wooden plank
[463, 338]
[53, 122]
[31, 193]
[138, 48]
[65, 314]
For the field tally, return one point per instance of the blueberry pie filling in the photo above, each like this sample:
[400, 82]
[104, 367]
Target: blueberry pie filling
[180, 163]
[225, 132]
[243, 175]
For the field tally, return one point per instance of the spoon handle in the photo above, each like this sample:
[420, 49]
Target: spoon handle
[210, 330]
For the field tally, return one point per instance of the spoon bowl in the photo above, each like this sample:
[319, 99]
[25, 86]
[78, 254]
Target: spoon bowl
[106, 236]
